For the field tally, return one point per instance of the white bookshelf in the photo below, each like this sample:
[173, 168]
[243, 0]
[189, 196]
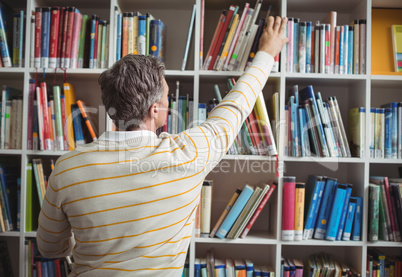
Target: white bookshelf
[263, 245]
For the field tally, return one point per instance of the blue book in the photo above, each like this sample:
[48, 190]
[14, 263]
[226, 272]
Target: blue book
[304, 139]
[349, 219]
[119, 23]
[77, 125]
[350, 49]
[357, 223]
[45, 267]
[336, 211]
[307, 95]
[142, 31]
[45, 37]
[325, 208]
[92, 42]
[8, 203]
[254, 47]
[314, 189]
[235, 211]
[344, 212]
[308, 48]
[293, 125]
[341, 50]
[157, 39]
[21, 45]
[197, 267]
[5, 53]
[391, 130]
[388, 133]
[249, 268]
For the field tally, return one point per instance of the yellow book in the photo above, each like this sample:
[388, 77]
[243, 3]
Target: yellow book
[226, 46]
[397, 47]
[135, 33]
[265, 124]
[69, 95]
[130, 32]
[299, 210]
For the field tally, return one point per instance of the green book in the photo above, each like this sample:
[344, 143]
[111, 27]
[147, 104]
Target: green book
[81, 47]
[374, 197]
[28, 212]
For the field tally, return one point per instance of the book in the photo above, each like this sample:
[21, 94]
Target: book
[325, 208]
[190, 30]
[357, 223]
[314, 190]
[225, 212]
[288, 208]
[157, 39]
[344, 211]
[69, 98]
[235, 211]
[373, 216]
[396, 31]
[87, 120]
[357, 119]
[77, 125]
[4, 46]
[206, 208]
[335, 215]
[258, 210]
[299, 210]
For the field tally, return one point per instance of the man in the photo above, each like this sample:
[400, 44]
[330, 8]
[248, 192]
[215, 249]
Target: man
[130, 197]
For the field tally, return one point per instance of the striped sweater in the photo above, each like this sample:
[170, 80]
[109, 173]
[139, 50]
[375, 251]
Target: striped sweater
[125, 204]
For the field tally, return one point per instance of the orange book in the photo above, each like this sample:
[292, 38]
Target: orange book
[124, 42]
[214, 38]
[81, 105]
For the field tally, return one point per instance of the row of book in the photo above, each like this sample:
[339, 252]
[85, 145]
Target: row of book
[57, 121]
[385, 209]
[239, 215]
[62, 37]
[226, 267]
[385, 138]
[235, 40]
[320, 208]
[41, 267]
[383, 265]
[314, 127]
[318, 264]
[11, 36]
[141, 34]
[11, 118]
[326, 47]
[10, 193]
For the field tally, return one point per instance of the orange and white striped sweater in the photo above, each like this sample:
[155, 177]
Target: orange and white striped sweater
[125, 204]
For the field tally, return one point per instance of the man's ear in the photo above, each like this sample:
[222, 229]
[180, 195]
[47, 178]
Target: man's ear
[153, 110]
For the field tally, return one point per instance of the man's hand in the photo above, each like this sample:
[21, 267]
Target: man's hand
[272, 40]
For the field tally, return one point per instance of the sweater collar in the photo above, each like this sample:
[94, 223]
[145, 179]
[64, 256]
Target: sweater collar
[117, 136]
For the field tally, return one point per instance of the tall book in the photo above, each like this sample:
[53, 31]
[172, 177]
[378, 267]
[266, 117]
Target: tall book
[288, 208]
[69, 95]
[373, 216]
[336, 212]
[397, 46]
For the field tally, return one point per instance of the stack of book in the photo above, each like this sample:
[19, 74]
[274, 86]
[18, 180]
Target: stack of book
[220, 267]
[239, 215]
[10, 193]
[326, 47]
[138, 33]
[235, 40]
[320, 208]
[62, 37]
[57, 121]
[11, 118]
[11, 37]
[314, 127]
[381, 264]
[385, 212]
[40, 266]
[385, 138]
[320, 264]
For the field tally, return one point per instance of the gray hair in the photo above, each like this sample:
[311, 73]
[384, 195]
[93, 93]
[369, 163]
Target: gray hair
[130, 87]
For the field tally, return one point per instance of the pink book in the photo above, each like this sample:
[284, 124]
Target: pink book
[31, 98]
[54, 36]
[64, 120]
[69, 38]
[288, 207]
[75, 39]
[392, 211]
[40, 118]
[46, 119]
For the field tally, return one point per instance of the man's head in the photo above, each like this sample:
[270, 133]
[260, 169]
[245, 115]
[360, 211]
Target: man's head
[133, 89]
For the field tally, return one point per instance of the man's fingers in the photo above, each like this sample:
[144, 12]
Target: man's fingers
[277, 23]
[270, 22]
[283, 25]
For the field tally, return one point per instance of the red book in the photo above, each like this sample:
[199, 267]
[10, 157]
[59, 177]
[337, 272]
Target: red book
[221, 37]
[57, 268]
[214, 38]
[75, 39]
[255, 132]
[250, 132]
[54, 36]
[312, 61]
[31, 98]
[45, 114]
[60, 36]
[38, 34]
[63, 47]
[288, 207]
[69, 39]
[258, 211]
[337, 48]
[392, 211]
[40, 118]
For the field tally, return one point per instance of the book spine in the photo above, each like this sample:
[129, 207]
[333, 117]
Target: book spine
[92, 46]
[388, 133]
[328, 59]
[118, 35]
[290, 45]
[309, 47]
[38, 33]
[32, 42]
[54, 35]
[31, 97]
[75, 39]
[206, 208]
[104, 44]
[59, 143]
[16, 38]
[341, 224]
[288, 208]
[45, 36]
[98, 44]
[350, 49]
[40, 118]
[356, 47]
[373, 216]
[69, 38]
[296, 31]
[335, 214]
[362, 44]
[60, 36]
[142, 34]
[349, 219]
[302, 46]
[299, 210]
[325, 209]
[357, 223]
[341, 50]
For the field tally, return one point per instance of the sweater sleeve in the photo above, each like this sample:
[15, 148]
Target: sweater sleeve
[54, 235]
[211, 140]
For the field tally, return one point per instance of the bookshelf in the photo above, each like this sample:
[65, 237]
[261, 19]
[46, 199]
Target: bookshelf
[263, 244]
